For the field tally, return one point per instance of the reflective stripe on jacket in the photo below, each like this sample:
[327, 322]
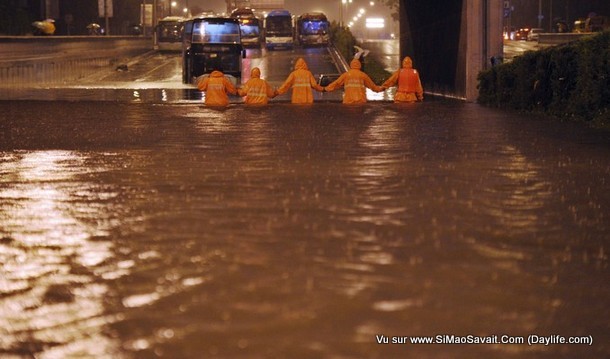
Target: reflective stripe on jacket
[355, 83]
[301, 81]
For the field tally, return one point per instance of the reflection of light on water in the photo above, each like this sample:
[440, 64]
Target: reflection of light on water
[212, 121]
[515, 205]
[378, 96]
[40, 297]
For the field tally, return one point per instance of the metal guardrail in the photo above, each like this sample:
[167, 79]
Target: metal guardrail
[340, 64]
[31, 60]
[338, 59]
[561, 38]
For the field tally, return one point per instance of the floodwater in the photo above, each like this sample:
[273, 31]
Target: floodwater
[143, 230]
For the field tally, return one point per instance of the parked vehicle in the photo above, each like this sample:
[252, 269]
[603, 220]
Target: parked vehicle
[313, 29]
[168, 34]
[249, 25]
[534, 33]
[279, 30]
[211, 43]
[521, 34]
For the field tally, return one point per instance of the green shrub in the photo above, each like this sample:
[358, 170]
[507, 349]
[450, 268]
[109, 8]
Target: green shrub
[568, 81]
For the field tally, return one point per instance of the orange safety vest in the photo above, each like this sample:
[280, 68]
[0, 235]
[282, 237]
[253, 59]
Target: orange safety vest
[408, 80]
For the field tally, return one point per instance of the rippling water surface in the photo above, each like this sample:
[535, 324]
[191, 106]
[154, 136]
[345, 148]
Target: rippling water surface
[178, 231]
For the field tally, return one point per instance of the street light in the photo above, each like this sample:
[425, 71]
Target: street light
[172, 5]
[344, 3]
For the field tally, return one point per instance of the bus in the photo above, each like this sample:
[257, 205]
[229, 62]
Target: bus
[168, 34]
[249, 25]
[279, 30]
[313, 29]
[211, 43]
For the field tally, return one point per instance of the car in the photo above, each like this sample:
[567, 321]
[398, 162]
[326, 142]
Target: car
[534, 33]
[522, 33]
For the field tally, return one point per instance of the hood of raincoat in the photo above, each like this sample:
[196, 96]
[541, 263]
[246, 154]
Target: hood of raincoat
[300, 64]
[407, 63]
[216, 73]
[355, 64]
[255, 73]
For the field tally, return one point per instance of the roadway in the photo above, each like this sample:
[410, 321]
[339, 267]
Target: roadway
[157, 77]
[134, 225]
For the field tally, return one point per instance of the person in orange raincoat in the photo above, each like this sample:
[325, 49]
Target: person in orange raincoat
[301, 81]
[409, 84]
[355, 83]
[216, 87]
[256, 90]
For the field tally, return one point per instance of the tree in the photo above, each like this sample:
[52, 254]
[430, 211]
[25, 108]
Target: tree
[394, 6]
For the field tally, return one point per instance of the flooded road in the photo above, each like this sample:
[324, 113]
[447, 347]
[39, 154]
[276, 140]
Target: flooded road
[167, 229]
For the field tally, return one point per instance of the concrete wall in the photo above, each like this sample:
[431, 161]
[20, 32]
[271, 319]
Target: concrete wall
[451, 41]
[48, 60]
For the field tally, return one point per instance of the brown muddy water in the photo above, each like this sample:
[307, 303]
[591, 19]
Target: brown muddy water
[143, 230]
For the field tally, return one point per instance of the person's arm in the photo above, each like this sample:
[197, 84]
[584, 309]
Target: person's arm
[370, 84]
[338, 83]
[314, 83]
[202, 85]
[420, 90]
[392, 80]
[243, 91]
[269, 90]
[286, 85]
[229, 86]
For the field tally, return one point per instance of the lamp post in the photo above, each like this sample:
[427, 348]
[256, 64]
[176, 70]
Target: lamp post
[344, 3]
[172, 5]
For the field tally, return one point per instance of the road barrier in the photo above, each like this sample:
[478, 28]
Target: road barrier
[29, 60]
[560, 38]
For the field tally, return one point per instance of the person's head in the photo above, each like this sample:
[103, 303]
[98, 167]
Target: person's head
[407, 63]
[255, 73]
[215, 67]
[300, 64]
[355, 64]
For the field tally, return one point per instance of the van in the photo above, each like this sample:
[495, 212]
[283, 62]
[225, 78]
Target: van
[211, 43]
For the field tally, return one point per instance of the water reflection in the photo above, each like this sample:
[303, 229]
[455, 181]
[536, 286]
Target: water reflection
[295, 231]
[50, 226]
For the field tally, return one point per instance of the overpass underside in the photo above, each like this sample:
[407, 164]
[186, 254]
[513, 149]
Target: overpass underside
[451, 41]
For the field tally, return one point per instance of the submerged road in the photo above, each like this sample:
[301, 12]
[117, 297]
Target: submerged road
[144, 226]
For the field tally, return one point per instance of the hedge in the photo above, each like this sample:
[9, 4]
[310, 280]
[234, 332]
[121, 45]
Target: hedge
[566, 81]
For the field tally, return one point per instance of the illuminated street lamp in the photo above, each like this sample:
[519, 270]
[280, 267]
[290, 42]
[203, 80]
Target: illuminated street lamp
[344, 3]
[172, 5]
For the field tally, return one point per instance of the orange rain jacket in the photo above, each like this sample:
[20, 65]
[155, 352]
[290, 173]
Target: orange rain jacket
[216, 87]
[355, 82]
[301, 80]
[409, 84]
[256, 89]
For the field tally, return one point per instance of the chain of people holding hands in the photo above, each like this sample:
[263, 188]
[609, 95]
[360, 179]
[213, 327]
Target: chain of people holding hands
[301, 81]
